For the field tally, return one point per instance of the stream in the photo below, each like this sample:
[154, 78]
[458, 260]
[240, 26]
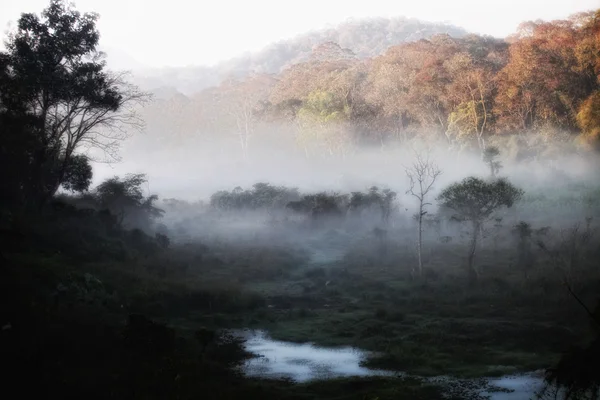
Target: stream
[302, 362]
[306, 362]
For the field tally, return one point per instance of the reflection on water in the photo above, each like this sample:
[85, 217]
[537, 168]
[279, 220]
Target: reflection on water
[302, 362]
[522, 387]
[305, 362]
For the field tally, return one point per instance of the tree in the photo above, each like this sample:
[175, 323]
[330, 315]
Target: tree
[241, 103]
[387, 92]
[422, 175]
[78, 174]
[423, 90]
[322, 120]
[525, 257]
[489, 157]
[15, 160]
[321, 207]
[383, 200]
[125, 199]
[53, 75]
[323, 97]
[475, 200]
[386, 204]
[471, 89]
[262, 196]
[588, 119]
[550, 71]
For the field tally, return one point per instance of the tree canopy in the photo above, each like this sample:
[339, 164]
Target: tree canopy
[462, 90]
[125, 199]
[475, 200]
[57, 100]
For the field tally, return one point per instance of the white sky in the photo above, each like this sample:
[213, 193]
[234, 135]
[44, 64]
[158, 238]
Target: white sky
[185, 32]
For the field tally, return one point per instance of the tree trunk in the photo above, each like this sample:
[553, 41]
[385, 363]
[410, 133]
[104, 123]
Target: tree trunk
[38, 195]
[58, 179]
[420, 241]
[472, 270]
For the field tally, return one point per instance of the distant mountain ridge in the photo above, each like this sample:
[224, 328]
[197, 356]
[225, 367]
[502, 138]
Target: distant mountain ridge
[357, 38]
[117, 59]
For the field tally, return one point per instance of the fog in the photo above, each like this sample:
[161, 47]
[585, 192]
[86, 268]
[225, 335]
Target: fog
[195, 171]
[185, 178]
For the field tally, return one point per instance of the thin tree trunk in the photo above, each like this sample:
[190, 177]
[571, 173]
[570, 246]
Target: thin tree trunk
[420, 240]
[482, 99]
[58, 179]
[472, 271]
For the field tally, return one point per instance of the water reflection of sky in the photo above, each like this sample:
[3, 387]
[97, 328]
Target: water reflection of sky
[305, 362]
[302, 362]
[522, 387]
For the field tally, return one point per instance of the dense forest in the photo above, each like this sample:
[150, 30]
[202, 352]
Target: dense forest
[538, 86]
[456, 265]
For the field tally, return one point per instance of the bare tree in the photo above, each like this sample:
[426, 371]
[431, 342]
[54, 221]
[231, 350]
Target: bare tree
[422, 175]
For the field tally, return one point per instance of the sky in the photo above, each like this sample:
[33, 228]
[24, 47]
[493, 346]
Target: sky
[152, 33]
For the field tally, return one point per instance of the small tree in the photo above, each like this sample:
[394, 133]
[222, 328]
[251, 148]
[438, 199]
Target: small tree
[125, 199]
[490, 155]
[381, 199]
[321, 207]
[475, 200]
[386, 204]
[422, 175]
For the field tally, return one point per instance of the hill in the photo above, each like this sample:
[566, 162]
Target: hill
[364, 38]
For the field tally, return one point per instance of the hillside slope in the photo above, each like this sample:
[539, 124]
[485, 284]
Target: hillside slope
[364, 38]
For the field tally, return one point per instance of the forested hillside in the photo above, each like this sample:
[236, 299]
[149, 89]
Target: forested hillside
[364, 37]
[538, 87]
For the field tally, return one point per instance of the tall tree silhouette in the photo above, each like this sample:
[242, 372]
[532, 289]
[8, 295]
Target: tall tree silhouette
[57, 98]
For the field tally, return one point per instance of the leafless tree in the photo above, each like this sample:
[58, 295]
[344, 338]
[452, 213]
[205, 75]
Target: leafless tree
[422, 175]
